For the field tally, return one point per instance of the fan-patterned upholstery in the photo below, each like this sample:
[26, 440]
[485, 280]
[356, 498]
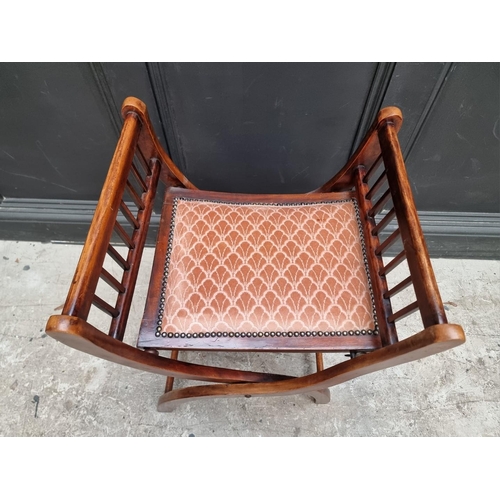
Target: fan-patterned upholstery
[256, 269]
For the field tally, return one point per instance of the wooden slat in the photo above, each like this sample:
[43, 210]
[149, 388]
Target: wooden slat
[113, 253]
[112, 281]
[383, 223]
[388, 242]
[398, 288]
[139, 178]
[123, 235]
[394, 262]
[380, 203]
[135, 197]
[402, 313]
[376, 186]
[142, 160]
[129, 215]
[371, 171]
[104, 306]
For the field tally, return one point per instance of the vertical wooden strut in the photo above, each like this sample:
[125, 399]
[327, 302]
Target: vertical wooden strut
[170, 380]
[124, 300]
[319, 362]
[87, 273]
[383, 308]
[424, 281]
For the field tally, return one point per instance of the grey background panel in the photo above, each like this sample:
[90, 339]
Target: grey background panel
[412, 88]
[265, 128]
[455, 164]
[55, 132]
[251, 127]
[121, 80]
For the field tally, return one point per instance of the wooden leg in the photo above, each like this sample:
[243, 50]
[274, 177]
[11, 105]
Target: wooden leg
[169, 401]
[322, 396]
[170, 380]
[319, 362]
[432, 340]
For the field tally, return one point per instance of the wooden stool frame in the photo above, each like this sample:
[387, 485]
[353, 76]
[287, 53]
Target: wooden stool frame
[140, 162]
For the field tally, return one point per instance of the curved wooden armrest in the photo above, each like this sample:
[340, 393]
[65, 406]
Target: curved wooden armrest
[136, 147]
[77, 333]
[434, 339]
[170, 174]
[367, 154]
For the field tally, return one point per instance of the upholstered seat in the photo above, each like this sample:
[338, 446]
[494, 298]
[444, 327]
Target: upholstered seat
[260, 274]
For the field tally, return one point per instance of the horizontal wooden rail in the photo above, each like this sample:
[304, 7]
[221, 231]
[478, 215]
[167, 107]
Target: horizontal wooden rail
[135, 197]
[104, 306]
[139, 178]
[123, 235]
[142, 161]
[115, 255]
[380, 203]
[376, 186]
[371, 171]
[402, 313]
[388, 242]
[398, 288]
[112, 281]
[129, 215]
[384, 222]
[394, 262]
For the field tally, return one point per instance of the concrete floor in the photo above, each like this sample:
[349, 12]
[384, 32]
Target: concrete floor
[49, 389]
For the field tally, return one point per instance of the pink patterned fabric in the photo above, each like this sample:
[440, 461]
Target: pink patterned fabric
[250, 267]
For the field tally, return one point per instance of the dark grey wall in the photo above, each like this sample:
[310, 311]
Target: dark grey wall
[54, 132]
[454, 163]
[259, 127]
